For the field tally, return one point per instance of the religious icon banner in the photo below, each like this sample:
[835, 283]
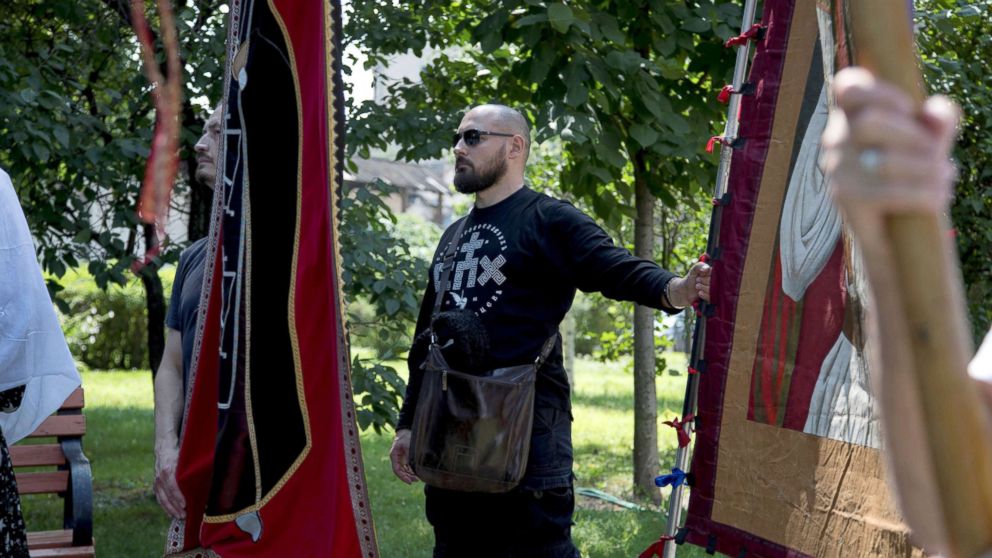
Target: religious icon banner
[787, 460]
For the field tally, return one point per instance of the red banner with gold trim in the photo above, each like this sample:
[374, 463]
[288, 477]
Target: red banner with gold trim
[270, 462]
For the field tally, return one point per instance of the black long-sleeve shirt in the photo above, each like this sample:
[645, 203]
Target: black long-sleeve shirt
[518, 266]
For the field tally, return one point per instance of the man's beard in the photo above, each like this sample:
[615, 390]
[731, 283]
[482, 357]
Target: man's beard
[469, 181]
[206, 176]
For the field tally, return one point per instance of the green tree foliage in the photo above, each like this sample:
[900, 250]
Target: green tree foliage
[75, 122]
[107, 328]
[385, 267]
[955, 39]
[76, 119]
[617, 82]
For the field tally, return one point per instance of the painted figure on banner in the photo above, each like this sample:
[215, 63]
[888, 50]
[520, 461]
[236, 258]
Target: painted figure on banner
[810, 371]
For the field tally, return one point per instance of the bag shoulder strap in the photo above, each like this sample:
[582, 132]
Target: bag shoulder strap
[448, 262]
[546, 349]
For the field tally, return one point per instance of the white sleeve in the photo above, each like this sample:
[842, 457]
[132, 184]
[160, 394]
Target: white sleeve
[33, 352]
[981, 366]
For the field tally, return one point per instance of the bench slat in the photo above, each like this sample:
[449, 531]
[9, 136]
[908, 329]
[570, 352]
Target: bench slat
[75, 400]
[32, 456]
[50, 539]
[61, 425]
[42, 483]
[67, 552]
[51, 544]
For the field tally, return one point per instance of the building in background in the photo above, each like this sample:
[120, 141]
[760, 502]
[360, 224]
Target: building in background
[421, 188]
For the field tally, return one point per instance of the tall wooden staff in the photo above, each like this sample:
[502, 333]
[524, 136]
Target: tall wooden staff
[931, 340]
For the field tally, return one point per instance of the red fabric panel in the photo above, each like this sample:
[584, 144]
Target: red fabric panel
[821, 325]
[312, 514]
[785, 379]
[196, 457]
[746, 171]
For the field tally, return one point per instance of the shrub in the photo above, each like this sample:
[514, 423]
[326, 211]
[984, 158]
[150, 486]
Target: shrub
[107, 328]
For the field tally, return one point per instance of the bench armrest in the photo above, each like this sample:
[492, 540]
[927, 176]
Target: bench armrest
[78, 514]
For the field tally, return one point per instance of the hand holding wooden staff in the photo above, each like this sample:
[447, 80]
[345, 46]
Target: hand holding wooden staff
[888, 156]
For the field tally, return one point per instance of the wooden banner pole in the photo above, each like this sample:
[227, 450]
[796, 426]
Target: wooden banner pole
[934, 345]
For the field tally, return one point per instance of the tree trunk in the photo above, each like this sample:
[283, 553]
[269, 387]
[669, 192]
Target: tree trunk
[646, 465]
[200, 195]
[200, 198]
[568, 346]
[155, 305]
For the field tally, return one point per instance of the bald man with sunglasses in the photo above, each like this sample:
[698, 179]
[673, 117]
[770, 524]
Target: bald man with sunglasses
[521, 256]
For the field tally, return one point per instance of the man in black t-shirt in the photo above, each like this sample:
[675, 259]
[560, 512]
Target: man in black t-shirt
[521, 256]
[172, 375]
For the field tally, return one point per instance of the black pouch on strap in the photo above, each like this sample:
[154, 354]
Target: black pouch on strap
[471, 432]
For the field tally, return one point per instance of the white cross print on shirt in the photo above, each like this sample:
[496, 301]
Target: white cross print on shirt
[491, 270]
[470, 263]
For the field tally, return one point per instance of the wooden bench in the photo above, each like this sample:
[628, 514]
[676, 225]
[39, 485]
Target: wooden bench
[65, 471]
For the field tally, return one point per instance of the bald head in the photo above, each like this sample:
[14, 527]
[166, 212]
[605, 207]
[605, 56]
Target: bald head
[505, 119]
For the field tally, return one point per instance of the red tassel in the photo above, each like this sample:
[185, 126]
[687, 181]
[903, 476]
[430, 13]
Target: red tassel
[163, 159]
[725, 93]
[705, 258]
[657, 548]
[693, 371]
[713, 141]
[150, 254]
[744, 37]
[679, 426]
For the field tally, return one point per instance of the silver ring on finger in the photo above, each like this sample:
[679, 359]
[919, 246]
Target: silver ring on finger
[870, 160]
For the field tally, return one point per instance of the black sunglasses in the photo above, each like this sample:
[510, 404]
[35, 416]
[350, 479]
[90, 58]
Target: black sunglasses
[473, 136]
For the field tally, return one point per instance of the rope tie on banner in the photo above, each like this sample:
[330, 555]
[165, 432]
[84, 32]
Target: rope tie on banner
[755, 33]
[675, 479]
[723, 200]
[724, 97]
[713, 141]
[700, 367]
[679, 426]
[657, 548]
[734, 144]
[702, 309]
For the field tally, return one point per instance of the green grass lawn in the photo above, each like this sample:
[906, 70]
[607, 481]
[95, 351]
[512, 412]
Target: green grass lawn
[129, 523]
